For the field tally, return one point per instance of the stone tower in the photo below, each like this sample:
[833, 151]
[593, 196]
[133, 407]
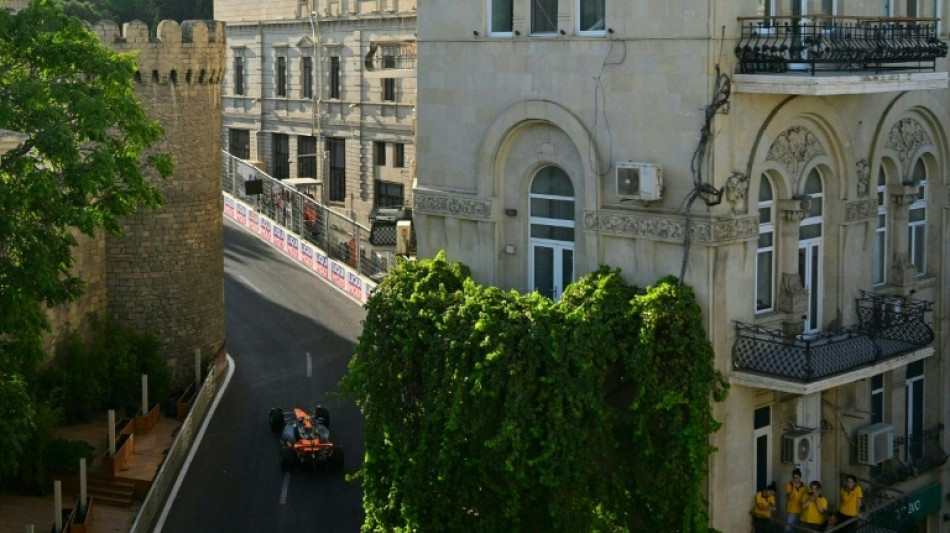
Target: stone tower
[165, 273]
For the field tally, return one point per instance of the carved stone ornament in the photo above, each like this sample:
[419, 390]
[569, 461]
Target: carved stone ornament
[905, 137]
[453, 206]
[795, 147]
[863, 173]
[792, 295]
[902, 272]
[669, 228]
[860, 210]
[737, 190]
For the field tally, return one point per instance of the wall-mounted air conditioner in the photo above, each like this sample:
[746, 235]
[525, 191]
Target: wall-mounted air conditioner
[639, 181]
[875, 444]
[797, 446]
[403, 236]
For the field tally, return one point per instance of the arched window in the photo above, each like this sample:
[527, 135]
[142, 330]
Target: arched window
[917, 221]
[879, 260]
[551, 243]
[809, 250]
[765, 254]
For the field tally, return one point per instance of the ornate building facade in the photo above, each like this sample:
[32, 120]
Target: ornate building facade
[325, 90]
[787, 159]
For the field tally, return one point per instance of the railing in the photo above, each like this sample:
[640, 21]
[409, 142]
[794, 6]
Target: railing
[341, 237]
[391, 55]
[889, 326]
[837, 43]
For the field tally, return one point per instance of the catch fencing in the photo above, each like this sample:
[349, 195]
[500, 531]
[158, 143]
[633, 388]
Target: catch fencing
[300, 212]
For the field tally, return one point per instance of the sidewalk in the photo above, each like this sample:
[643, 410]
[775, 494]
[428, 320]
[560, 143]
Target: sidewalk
[17, 512]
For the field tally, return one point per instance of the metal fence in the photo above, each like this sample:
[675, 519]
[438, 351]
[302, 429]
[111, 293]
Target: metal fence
[301, 212]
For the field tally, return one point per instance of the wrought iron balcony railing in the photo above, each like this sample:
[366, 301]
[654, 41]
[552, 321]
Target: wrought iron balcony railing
[889, 326]
[391, 55]
[837, 43]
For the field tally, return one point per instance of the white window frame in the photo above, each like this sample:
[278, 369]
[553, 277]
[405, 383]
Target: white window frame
[879, 248]
[491, 15]
[764, 228]
[577, 24]
[558, 246]
[920, 204]
[812, 246]
[912, 384]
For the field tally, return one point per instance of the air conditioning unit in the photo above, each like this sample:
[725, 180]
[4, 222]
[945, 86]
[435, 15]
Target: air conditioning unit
[639, 181]
[797, 446]
[875, 444]
[403, 236]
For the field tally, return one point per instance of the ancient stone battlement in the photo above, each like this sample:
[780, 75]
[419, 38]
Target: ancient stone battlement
[192, 52]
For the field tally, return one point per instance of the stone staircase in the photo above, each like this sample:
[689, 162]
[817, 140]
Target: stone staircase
[111, 492]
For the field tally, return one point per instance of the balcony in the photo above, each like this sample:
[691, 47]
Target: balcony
[891, 333]
[391, 59]
[824, 55]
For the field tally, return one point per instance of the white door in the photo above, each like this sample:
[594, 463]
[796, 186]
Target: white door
[552, 267]
[809, 268]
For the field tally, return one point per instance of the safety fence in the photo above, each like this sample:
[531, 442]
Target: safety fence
[294, 206]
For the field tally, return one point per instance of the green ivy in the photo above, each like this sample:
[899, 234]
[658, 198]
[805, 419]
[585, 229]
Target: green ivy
[489, 410]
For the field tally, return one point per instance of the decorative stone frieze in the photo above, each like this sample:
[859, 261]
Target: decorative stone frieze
[905, 196]
[863, 173]
[453, 206]
[905, 137]
[860, 210]
[671, 228]
[793, 148]
[737, 192]
[792, 295]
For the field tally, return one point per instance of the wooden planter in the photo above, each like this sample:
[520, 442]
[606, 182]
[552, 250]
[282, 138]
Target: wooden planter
[124, 445]
[184, 403]
[145, 423]
[76, 523]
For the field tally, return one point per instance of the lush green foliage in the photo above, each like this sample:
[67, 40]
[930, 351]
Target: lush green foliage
[16, 423]
[149, 11]
[80, 167]
[103, 374]
[63, 455]
[488, 410]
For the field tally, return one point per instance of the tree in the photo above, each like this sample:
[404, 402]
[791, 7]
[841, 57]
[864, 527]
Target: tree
[82, 168]
[489, 410]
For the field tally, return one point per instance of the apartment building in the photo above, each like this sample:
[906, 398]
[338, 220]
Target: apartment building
[787, 158]
[324, 89]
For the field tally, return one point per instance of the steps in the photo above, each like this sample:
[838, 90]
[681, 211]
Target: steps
[111, 492]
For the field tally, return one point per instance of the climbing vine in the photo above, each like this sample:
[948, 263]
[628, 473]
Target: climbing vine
[489, 410]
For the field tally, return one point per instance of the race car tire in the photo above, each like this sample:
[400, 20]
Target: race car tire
[322, 414]
[336, 460]
[276, 419]
[287, 459]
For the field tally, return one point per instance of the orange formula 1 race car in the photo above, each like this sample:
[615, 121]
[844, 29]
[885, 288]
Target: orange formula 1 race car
[305, 438]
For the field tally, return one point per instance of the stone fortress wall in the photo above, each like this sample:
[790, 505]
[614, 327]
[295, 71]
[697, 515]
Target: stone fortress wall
[165, 273]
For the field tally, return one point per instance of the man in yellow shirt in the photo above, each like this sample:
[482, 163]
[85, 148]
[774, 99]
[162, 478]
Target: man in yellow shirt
[851, 495]
[814, 508]
[762, 510]
[795, 492]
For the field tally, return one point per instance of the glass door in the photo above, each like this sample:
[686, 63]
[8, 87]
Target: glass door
[552, 267]
[809, 269]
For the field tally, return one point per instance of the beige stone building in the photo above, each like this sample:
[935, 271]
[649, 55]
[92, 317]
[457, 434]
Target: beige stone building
[803, 192]
[324, 89]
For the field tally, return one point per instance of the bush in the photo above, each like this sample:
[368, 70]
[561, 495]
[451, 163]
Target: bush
[62, 455]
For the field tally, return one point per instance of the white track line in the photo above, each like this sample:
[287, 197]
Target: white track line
[249, 284]
[194, 447]
[283, 489]
[309, 366]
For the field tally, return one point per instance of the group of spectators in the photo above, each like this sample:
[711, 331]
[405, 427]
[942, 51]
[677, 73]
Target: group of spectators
[806, 506]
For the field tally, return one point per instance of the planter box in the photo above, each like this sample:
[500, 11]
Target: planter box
[144, 424]
[184, 403]
[76, 523]
[124, 445]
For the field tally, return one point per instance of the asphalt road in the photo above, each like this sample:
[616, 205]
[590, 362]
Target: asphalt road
[277, 314]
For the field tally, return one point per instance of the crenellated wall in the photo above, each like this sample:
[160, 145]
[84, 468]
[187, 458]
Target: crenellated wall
[165, 272]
